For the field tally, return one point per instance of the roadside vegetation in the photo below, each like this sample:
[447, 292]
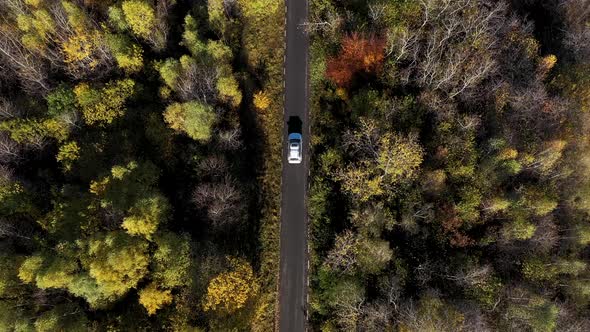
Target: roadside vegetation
[449, 169]
[139, 164]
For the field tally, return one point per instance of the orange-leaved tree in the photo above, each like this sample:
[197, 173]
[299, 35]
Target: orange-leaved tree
[358, 54]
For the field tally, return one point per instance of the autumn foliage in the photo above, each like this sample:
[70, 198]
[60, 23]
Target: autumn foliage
[451, 225]
[229, 291]
[358, 54]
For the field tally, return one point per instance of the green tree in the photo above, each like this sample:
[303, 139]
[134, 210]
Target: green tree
[467, 208]
[257, 9]
[497, 204]
[35, 132]
[519, 228]
[103, 105]
[433, 314]
[129, 56]
[193, 118]
[66, 317]
[487, 292]
[57, 272]
[170, 70]
[373, 255]
[146, 215]
[190, 37]
[77, 18]
[117, 18]
[574, 81]
[140, 16]
[13, 318]
[539, 202]
[399, 157]
[582, 233]
[344, 296]
[61, 101]
[116, 260]
[393, 160]
[125, 185]
[579, 291]
[221, 21]
[86, 287]
[68, 154]
[228, 89]
[172, 261]
[38, 29]
[536, 269]
[9, 281]
[30, 267]
[573, 267]
[14, 200]
[537, 313]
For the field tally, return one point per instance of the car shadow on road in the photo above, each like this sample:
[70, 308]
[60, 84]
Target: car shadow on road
[294, 125]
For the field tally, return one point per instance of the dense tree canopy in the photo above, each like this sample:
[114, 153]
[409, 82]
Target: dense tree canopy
[132, 163]
[449, 171]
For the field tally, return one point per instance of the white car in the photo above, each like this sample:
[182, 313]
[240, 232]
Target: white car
[295, 149]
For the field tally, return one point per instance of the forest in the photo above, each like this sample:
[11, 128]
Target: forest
[139, 164]
[450, 163]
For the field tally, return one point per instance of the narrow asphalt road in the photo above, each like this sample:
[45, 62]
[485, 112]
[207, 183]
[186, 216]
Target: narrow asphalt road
[293, 275]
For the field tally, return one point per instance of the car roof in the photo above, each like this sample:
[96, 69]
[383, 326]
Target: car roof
[293, 154]
[295, 136]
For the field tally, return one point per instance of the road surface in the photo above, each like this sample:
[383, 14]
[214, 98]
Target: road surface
[293, 275]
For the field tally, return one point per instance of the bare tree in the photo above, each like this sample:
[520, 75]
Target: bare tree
[391, 288]
[342, 258]
[215, 166]
[10, 230]
[470, 276]
[424, 316]
[31, 72]
[71, 119]
[577, 33]
[375, 317]
[230, 139]
[546, 236]
[424, 272]
[372, 219]
[10, 151]
[349, 305]
[49, 53]
[223, 201]
[8, 110]
[400, 42]
[569, 321]
[475, 319]
[99, 59]
[439, 53]
[197, 81]
[159, 35]
[326, 25]
[363, 142]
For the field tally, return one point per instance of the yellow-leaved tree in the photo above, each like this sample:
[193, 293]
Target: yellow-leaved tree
[103, 105]
[145, 216]
[116, 261]
[261, 100]
[231, 290]
[140, 16]
[153, 298]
